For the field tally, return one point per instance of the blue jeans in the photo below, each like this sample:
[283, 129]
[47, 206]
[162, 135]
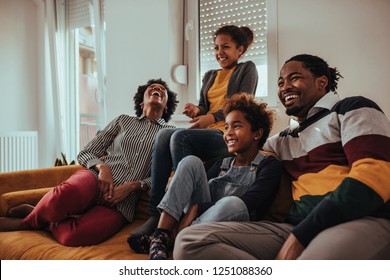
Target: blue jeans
[190, 186]
[171, 145]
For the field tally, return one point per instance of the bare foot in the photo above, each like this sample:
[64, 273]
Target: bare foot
[20, 211]
[12, 224]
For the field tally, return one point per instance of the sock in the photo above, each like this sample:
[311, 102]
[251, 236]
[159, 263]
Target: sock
[159, 245]
[148, 227]
[140, 243]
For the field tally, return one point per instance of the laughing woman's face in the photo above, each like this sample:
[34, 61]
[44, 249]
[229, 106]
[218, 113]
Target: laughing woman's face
[156, 94]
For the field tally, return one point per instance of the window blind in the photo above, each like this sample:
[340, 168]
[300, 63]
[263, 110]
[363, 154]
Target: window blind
[215, 13]
[78, 14]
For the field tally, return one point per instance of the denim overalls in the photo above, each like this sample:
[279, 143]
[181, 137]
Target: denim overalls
[234, 180]
[232, 183]
[192, 187]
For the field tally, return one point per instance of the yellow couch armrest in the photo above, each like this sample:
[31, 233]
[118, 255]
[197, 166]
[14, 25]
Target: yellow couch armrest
[12, 199]
[35, 178]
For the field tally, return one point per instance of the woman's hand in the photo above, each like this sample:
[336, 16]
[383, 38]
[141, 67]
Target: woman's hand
[105, 180]
[191, 110]
[291, 249]
[202, 121]
[120, 193]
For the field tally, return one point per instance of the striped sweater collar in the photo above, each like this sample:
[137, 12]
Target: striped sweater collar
[326, 102]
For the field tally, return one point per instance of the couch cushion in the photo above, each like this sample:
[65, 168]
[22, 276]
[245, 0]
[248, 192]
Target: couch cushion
[40, 245]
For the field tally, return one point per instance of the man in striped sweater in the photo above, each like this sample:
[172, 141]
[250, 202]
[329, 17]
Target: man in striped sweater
[339, 163]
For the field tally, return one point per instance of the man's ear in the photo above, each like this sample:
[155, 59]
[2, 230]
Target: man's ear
[322, 82]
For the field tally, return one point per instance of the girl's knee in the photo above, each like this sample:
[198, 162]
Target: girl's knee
[231, 208]
[191, 162]
[179, 137]
[231, 202]
[164, 135]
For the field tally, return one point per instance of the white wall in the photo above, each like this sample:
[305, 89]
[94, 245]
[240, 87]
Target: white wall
[18, 72]
[352, 35]
[141, 45]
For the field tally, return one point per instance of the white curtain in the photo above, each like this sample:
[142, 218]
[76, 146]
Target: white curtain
[55, 36]
[62, 75]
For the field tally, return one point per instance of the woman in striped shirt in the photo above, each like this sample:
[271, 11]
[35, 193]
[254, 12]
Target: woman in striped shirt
[117, 167]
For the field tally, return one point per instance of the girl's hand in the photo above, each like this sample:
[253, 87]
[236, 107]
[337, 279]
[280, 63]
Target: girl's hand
[202, 121]
[190, 110]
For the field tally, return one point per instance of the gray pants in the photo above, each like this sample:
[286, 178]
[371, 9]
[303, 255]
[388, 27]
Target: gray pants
[189, 186]
[364, 239]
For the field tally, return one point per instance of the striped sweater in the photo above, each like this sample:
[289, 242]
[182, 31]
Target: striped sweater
[125, 145]
[339, 163]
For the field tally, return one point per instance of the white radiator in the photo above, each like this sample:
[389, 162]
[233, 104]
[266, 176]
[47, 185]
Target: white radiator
[18, 150]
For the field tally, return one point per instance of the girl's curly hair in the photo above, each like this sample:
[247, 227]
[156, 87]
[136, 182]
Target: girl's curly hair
[256, 113]
[171, 104]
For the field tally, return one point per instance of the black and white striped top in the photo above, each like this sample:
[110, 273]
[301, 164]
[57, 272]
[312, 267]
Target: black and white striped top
[125, 145]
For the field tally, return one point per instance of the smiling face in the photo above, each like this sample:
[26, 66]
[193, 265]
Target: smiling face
[299, 90]
[156, 94]
[226, 51]
[238, 136]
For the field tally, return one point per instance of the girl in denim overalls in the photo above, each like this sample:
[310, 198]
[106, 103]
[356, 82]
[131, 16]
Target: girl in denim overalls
[239, 188]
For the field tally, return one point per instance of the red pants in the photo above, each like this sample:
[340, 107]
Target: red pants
[76, 196]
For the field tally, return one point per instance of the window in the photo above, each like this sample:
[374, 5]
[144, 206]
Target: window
[88, 84]
[206, 16]
[85, 63]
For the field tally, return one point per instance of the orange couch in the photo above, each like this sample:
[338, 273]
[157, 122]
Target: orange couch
[28, 187]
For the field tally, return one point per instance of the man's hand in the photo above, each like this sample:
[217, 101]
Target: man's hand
[202, 121]
[291, 249]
